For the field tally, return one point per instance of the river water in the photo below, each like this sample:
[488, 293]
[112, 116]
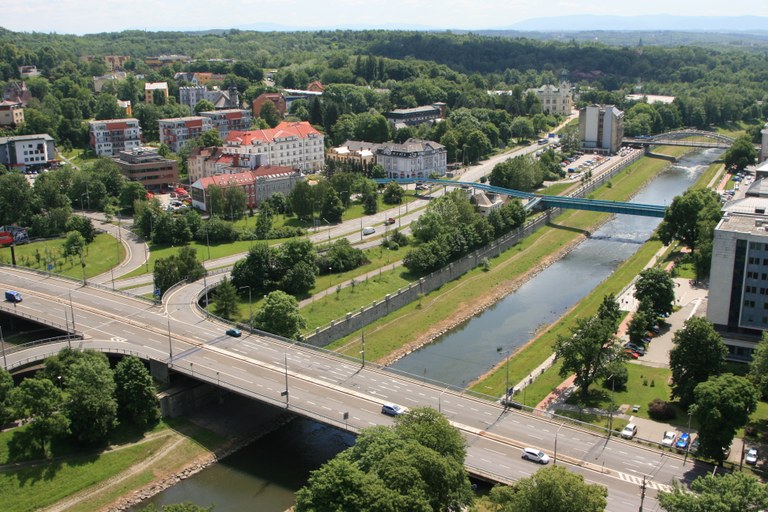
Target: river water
[264, 476]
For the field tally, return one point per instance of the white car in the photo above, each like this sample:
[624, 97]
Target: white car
[751, 457]
[629, 431]
[535, 455]
[393, 409]
[669, 438]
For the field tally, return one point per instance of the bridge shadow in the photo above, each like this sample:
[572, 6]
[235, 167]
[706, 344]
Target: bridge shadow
[572, 229]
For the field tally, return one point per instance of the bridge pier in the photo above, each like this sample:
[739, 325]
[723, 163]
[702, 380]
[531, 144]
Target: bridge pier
[159, 371]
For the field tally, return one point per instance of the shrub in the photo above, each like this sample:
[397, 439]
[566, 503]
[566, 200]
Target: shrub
[660, 410]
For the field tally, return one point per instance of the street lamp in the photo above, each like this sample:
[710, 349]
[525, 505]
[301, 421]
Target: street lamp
[285, 393]
[250, 304]
[170, 345]
[363, 351]
[72, 311]
[2, 342]
[554, 460]
[691, 410]
[506, 364]
[610, 412]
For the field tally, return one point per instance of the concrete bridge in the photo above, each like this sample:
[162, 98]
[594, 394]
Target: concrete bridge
[677, 138]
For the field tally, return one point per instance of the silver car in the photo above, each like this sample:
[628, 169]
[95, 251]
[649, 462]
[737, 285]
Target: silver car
[535, 455]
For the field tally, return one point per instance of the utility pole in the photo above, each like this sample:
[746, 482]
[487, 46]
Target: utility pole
[363, 351]
[642, 494]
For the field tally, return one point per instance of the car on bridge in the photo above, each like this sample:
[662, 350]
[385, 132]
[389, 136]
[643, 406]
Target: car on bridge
[535, 455]
[393, 410]
[234, 332]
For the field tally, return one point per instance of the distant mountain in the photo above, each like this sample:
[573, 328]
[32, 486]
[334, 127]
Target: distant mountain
[650, 22]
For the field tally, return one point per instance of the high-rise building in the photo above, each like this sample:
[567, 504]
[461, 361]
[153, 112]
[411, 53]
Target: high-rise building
[601, 128]
[110, 136]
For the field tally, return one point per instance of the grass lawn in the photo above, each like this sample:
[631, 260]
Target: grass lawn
[101, 255]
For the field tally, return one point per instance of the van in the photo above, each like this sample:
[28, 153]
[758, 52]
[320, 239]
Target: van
[12, 296]
[369, 230]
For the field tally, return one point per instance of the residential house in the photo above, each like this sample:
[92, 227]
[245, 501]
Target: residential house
[164, 60]
[555, 100]
[359, 154]
[28, 71]
[144, 165]
[100, 81]
[24, 151]
[110, 136]
[205, 162]
[486, 202]
[192, 95]
[177, 131]
[17, 92]
[198, 78]
[294, 144]
[153, 91]
[275, 97]
[113, 62]
[601, 128]
[11, 113]
[126, 106]
[316, 86]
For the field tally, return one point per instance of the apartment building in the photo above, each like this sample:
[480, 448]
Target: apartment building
[156, 92]
[23, 151]
[229, 120]
[276, 98]
[205, 162]
[258, 184]
[144, 165]
[601, 128]
[293, 144]
[192, 95]
[554, 100]
[110, 136]
[177, 131]
[11, 113]
[402, 117]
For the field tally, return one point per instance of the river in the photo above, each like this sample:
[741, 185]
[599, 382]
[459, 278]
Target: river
[264, 476]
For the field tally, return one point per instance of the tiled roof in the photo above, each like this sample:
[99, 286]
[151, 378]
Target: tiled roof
[285, 129]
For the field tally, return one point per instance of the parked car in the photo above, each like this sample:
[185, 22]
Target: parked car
[751, 457]
[393, 409]
[694, 445]
[631, 353]
[682, 442]
[669, 438]
[629, 431]
[535, 455]
[635, 348]
[234, 332]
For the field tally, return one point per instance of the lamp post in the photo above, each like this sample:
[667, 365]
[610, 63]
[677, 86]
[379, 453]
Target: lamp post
[554, 460]
[506, 364]
[691, 410]
[170, 344]
[72, 311]
[440, 400]
[363, 351]
[610, 413]
[285, 393]
[2, 342]
[250, 304]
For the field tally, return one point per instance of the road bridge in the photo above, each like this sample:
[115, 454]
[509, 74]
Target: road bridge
[347, 393]
[678, 138]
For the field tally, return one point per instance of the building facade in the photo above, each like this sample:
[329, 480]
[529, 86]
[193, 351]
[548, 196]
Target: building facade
[292, 144]
[154, 91]
[259, 185]
[403, 117]
[177, 131]
[192, 95]
[276, 98]
[146, 166]
[100, 81]
[11, 113]
[413, 159]
[601, 128]
[23, 151]
[205, 162]
[110, 136]
[555, 100]
[229, 120]
[359, 154]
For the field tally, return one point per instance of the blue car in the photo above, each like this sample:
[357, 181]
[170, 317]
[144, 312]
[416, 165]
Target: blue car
[682, 442]
[234, 332]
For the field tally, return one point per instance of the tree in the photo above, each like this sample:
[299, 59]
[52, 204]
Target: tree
[302, 200]
[279, 314]
[431, 429]
[211, 139]
[522, 128]
[698, 353]
[6, 397]
[225, 300]
[681, 221]
[82, 225]
[256, 269]
[393, 193]
[641, 321]
[204, 106]
[270, 114]
[728, 492]
[263, 223]
[92, 407]
[551, 489]
[370, 203]
[332, 208]
[131, 192]
[609, 310]
[17, 199]
[758, 367]
[741, 154]
[135, 392]
[74, 244]
[655, 287]
[586, 352]
[39, 399]
[722, 405]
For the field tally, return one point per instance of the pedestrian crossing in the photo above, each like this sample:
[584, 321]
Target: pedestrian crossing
[638, 480]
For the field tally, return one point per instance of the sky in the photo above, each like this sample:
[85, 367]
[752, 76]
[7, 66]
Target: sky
[94, 16]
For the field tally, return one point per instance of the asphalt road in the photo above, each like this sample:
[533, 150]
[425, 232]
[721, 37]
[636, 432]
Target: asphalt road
[325, 386]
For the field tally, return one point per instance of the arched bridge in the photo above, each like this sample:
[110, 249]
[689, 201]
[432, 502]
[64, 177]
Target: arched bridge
[677, 138]
[531, 200]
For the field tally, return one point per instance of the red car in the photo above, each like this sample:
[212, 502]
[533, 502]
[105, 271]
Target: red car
[631, 353]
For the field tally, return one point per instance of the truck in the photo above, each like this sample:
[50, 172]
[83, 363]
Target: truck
[12, 296]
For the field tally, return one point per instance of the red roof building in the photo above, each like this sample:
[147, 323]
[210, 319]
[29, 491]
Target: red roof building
[293, 144]
[259, 185]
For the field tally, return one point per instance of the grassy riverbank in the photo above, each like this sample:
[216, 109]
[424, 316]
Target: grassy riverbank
[420, 322]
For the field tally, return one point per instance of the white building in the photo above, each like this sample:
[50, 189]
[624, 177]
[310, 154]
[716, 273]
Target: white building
[22, 151]
[555, 100]
[177, 131]
[601, 128]
[413, 159]
[295, 145]
[110, 136]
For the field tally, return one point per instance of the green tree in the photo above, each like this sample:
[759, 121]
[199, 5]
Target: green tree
[522, 128]
[586, 352]
[135, 392]
[728, 492]
[609, 310]
[210, 139]
[741, 154]
[302, 200]
[723, 404]
[431, 429]
[698, 354]
[131, 192]
[332, 208]
[393, 193]
[82, 225]
[551, 489]
[256, 270]
[39, 399]
[370, 203]
[279, 314]
[6, 397]
[204, 106]
[641, 321]
[17, 199]
[92, 407]
[655, 287]
[74, 244]
[270, 114]
[176, 268]
[758, 367]
[225, 300]
[681, 221]
[263, 223]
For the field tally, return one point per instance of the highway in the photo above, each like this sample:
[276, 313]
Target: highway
[324, 386]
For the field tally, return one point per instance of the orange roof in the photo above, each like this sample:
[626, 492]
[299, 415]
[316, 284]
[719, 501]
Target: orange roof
[302, 130]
